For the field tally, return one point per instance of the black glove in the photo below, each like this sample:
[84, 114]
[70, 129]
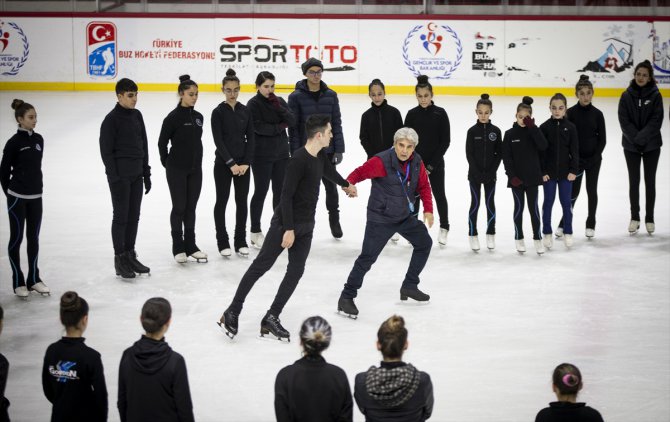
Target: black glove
[337, 158]
[516, 182]
[529, 122]
[272, 98]
[147, 184]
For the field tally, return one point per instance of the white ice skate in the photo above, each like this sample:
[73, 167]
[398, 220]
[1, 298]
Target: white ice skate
[559, 232]
[633, 226]
[257, 239]
[491, 241]
[181, 258]
[651, 227]
[243, 251]
[520, 246]
[474, 243]
[548, 241]
[590, 233]
[395, 237]
[199, 256]
[21, 292]
[442, 237]
[568, 240]
[226, 252]
[539, 247]
[41, 288]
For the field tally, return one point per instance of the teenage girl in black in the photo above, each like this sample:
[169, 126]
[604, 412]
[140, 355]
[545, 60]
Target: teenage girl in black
[483, 151]
[183, 168]
[380, 122]
[21, 181]
[566, 384]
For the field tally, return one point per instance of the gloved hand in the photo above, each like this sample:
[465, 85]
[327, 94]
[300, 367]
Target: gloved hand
[147, 184]
[529, 122]
[272, 98]
[337, 158]
[516, 182]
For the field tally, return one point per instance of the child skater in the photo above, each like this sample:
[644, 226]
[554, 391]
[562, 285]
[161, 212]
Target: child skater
[567, 383]
[521, 149]
[233, 133]
[183, 168]
[483, 150]
[380, 122]
[560, 165]
[21, 181]
[73, 379]
[432, 124]
[591, 132]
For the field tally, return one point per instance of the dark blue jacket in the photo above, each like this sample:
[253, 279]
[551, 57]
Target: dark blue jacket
[388, 202]
[562, 154]
[641, 117]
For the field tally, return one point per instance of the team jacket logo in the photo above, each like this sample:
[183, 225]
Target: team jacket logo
[198, 122]
[493, 136]
[63, 371]
[432, 50]
[14, 48]
[38, 147]
[101, 49]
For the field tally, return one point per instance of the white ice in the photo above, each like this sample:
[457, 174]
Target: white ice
[497, 325]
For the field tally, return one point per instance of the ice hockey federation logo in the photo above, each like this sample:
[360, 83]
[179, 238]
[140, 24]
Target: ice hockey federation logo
[101, 49]
[14, 48]
[432, 50]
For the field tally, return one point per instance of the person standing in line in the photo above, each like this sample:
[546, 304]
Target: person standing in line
[291, 228]
[4, 372]
[73, 378]
[567, 382]
[560, 165]
[394, 391]
[432, 124]
[312, 389]
[641, 117]
[397, 175]
[21, 181]
[592, 135]
[125, 154]
[312, 96]
[380, 122]
[483, 151]
[153, 382]
[183, 168]
[521, 149]
[271, 116]
[233, 131]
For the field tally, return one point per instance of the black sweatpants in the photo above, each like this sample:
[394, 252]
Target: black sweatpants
[475, 200]
[185, 189]
[264, 172]
[332, 196]
[297, 256]
[519, 204]
[223, 178]
[591, 175]
[436, 178]
[126, 203]
[633, 161]
[24, 213]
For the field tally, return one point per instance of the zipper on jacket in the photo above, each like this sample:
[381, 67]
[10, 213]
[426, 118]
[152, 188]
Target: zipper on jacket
[381, 127]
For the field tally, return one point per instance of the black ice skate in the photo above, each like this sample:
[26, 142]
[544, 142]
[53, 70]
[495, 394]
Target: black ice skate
[347, 307]
[270, 324]
[228, 323]
[335, 228]
[122, 266]
[136, 265]
[415, 294]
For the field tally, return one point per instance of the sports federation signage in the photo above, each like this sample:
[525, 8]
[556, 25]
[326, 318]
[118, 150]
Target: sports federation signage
[14, 48]
[432, 50]
[101, 50]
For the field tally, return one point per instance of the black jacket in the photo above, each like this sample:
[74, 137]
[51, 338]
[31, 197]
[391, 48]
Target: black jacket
[233, 132]
[432, 126]
[591, 132]
[521, 149]
[21, 166]
[641, 117]
[483, 150]
[4, 402]
[560, 411]
[378, 125]
[73, 380]
[270, 125]
[123, 144]
[153, 384]
[562, 154]
[313, 390]
[182, 127]
[303, 104]
[378, 391]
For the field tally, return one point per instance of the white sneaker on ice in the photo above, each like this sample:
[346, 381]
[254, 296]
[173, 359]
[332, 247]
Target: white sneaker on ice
[474, 243]
[633, 226]
[41, 288]
[395, 237]
[548, 240]
[559, 232]
[590, 233]
[21, 291]
[650, 227]
[568, 240]
[257, 239]
[243, 251]
[199, 256]
[442, 237]
[520, 246]
[226, 253]
[539, 247]
[491, 241]
[181, 257]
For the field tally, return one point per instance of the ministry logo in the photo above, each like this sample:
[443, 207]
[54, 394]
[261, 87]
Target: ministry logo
[14, 48]
[432, 50]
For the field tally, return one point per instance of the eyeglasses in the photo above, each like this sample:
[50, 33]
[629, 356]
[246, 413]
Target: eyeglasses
[314, 72]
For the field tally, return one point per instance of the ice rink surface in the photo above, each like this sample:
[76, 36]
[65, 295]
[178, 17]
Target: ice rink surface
[497, 324]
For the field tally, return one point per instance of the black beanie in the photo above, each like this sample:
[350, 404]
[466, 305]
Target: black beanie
[311, 62]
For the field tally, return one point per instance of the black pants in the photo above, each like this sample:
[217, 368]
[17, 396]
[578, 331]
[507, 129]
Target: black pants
[376, 237]
[591, 175]
[436, 178]
[22, 213]
[475, 196]
[223, 178]
[185, 189]
[332, 198]
[297, 256]
[264, 172]
[126, 203]
[531, 194]
[650, 160]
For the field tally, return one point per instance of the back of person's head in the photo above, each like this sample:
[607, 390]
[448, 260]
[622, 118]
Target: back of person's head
[392, 337]
[316, 123]
[525, 104]
[20, 108]
[406, 133]
[583, 82]
[315, 335]
[567, 379]
[72, 309]
[422, 82]
[156, 312]
[185, 82]
[125, 85]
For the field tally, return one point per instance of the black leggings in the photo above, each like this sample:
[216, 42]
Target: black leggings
[533, 210]
[185, 189]
[650, 160]
[591, 175]
[436, 178]
[475, 200]
[223, 178]
[264, 172]
[22, 213]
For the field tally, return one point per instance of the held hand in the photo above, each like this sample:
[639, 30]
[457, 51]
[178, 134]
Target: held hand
[545, 178]
[351, 191]
[235, 169]
[571, 177]
[337, 158]
[288, 239]
[516, 182]
[529, 122]
[428, 219]
[147, 184]
[243, 169]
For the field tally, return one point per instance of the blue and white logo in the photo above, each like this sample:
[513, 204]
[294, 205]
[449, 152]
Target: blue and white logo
[432, 50]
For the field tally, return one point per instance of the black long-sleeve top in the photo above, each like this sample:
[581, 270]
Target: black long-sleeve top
[521, 154]
[182, 127]
[378, 125]
[561, 411]
[300, 191]
[483, 145]
[73, 381]
[562, 154]
[591, 132]
[233, 132]
[21, 165]
[270, 124]
[123, 144]
[432, 126]
[641, 117]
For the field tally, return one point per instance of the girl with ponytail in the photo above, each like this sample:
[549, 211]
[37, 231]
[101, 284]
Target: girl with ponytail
[566, 383]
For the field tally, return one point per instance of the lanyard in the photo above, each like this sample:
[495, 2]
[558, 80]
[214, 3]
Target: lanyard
[405, 186]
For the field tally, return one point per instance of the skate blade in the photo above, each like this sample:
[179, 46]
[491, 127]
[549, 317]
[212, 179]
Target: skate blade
[413, 303]
[41, 294]
[200, 260]
[346, 315]
[225, 331]
[242, 255]
[272, 337]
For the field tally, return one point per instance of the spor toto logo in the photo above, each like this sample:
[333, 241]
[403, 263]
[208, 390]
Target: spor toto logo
[432, 50]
